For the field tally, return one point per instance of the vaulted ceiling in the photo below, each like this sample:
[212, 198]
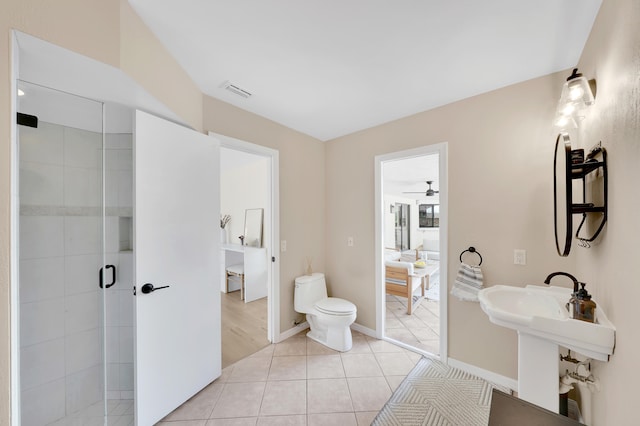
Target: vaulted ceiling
[332, 67]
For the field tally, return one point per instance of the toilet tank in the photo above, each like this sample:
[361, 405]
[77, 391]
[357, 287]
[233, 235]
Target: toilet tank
[308, 290]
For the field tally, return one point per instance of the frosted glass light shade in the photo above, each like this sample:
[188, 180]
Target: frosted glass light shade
[575, 98]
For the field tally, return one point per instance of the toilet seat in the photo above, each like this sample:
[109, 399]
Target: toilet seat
[335, 306]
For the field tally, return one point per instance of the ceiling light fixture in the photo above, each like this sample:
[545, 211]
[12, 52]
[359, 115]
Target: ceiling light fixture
[576, 97]
[20, 92]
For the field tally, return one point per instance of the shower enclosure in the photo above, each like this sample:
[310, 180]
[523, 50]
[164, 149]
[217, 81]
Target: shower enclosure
[87, 346]
[75, 261]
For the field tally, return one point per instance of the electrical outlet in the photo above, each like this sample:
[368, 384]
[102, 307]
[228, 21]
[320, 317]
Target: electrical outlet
[349, 241]
[283, 246]
[519, 257]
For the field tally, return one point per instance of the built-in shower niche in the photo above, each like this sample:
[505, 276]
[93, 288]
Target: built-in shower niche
[125, 229]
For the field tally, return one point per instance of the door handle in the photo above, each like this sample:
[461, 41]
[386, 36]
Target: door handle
[149, 288]
[113, 276]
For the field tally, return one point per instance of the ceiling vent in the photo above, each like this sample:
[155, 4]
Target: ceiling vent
[227, 85]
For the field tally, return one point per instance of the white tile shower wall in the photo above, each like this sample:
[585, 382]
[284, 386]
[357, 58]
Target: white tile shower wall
[41, 236]
[60, 309]
[41, 184]
[81, 273]
[42, 145]
[46, 403]
[119, 195]
[84, 388]
[37, 369]
[42, 279]
[41, 321]
[120, 328]
[60, 255]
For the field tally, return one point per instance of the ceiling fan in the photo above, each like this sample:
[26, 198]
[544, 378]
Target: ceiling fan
[430, 192]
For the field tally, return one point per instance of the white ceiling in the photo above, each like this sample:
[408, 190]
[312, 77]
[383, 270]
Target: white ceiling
[410, 175]
[329, 68]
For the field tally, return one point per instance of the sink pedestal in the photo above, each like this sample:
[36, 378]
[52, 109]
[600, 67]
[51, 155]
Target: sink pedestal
[542, 321]
[538, 371]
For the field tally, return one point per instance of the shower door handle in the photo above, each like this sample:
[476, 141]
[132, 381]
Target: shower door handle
[113, 276]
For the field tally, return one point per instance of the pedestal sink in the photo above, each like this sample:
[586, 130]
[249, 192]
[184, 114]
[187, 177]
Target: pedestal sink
[540, 317]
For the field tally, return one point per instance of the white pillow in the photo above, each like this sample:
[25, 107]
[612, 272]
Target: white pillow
[392, 254]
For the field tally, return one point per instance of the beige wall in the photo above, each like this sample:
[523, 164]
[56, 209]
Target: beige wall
[612, 57]
[502, 143]
[144, 58]
[107, 31]
[500, 198]
[302, 191]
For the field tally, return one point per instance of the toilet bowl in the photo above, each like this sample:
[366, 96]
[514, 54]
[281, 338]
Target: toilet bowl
[329, 317]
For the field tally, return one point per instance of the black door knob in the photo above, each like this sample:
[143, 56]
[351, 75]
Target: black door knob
[149, 288]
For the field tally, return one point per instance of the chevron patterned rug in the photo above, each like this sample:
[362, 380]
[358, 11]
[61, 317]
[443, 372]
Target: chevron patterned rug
[434, 394]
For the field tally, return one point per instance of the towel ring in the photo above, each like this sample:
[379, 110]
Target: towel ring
[472, 250]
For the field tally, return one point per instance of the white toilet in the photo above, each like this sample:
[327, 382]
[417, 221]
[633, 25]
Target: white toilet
[328, 317]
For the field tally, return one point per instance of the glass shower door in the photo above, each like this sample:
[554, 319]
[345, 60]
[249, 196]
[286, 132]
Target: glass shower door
[65, 242]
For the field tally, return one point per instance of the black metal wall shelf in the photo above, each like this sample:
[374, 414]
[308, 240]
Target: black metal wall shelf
[581, 171]
[564, 207]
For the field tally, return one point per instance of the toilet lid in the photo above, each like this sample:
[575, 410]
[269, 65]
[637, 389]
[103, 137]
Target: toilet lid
[336, 306]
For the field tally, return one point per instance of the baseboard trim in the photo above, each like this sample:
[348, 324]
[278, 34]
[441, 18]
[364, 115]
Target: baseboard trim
[485, 374]
[292, 332]
[364, 330]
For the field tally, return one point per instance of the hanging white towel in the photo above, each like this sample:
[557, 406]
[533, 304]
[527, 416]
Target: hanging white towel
[468, 283]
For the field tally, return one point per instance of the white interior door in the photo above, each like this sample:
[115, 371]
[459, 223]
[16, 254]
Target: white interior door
[177, 245]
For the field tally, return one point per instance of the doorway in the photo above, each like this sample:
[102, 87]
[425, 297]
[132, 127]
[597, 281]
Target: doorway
[415, 179]
[249, 181]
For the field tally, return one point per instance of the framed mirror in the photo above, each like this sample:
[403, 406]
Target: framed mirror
[562, 193]
[253, 227]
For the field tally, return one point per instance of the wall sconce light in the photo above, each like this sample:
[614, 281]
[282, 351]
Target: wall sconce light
[576, 97]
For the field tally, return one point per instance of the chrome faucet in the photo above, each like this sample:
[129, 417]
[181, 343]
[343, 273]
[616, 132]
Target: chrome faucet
[574, 279]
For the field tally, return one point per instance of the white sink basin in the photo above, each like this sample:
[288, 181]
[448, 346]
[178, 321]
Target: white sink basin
[541, 312]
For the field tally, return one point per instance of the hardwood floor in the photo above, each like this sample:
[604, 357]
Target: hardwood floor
[244, 327]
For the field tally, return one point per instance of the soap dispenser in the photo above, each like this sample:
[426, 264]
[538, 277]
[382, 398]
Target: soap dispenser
[582, 307]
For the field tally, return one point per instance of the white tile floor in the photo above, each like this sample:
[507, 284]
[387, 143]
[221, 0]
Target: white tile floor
[120, 413]
[300, 382]
[420, 330]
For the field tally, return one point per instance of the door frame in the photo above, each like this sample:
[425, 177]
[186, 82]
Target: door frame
[273, 293]
[441, 149]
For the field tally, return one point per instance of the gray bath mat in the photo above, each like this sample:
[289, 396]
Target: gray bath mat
[434, 394]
